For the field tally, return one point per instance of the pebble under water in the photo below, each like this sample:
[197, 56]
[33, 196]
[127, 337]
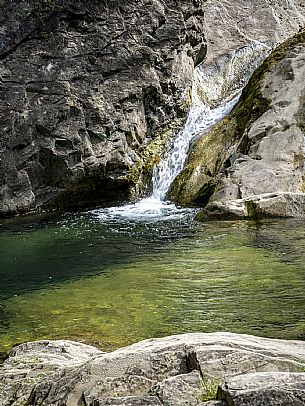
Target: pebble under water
[109, 277]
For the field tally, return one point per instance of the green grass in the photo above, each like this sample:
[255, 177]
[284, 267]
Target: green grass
[210, 387]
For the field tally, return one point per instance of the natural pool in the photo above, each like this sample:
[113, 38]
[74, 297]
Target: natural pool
[111, 281]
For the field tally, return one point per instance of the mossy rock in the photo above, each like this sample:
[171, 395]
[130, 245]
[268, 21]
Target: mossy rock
[140, 177]
[96, 189]
[210, 156]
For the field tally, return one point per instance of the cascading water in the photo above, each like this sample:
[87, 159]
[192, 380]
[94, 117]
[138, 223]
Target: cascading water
[200, 118]
[215, 90]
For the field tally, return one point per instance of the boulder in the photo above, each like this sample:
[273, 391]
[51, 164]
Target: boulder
[27, 374]
[181, 370]
[181, 390]
[264, 389]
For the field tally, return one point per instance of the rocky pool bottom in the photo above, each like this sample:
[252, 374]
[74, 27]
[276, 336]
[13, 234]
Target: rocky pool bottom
[112, 277]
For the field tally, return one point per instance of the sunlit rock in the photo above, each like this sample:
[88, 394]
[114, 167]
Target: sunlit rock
[190, 369]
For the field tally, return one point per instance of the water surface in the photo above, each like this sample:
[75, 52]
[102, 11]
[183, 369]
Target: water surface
[106, 278]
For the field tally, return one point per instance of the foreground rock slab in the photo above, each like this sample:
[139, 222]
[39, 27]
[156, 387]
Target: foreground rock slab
[215, 369]
[279, 388]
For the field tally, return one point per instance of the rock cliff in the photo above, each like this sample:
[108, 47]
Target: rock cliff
[86, 87]
[252, 163]
[91, 91]
[216, 369]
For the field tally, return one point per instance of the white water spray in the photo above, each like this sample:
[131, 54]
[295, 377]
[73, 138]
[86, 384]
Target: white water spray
[215, 90]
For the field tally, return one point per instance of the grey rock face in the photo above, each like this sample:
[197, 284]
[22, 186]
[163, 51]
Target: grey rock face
[230, 25]
[87, 88]
[35, 365]
[169, 371]
[269, 178]
[252, 163]
[260, 389]
[84, 88]
[180, 390]
[237, 31]
[275, 160]
[128, 401]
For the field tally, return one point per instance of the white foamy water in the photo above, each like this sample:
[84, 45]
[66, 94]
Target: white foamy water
[147, 210]
[155, 208]
[215, 91]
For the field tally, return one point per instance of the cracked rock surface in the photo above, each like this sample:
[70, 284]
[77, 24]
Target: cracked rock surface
[90, 91]
[198, 369]
[85, 87]
[251, 164]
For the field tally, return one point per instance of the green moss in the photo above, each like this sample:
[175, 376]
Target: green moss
[3, 356]
[252, 210]
[210, 156]
[141, 173]
[203, 196]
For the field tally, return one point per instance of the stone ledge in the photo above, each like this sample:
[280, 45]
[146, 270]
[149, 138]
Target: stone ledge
[200, 369]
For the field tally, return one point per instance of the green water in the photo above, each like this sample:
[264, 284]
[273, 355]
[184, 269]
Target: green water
[114, 282]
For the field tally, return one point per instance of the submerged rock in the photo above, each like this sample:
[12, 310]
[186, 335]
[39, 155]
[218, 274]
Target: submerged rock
[252, 163]
[179, 370]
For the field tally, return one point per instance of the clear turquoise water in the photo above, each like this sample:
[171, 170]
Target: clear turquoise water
[111, 281]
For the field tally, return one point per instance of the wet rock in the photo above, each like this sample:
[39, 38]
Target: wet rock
[252, 163]
[257, 207]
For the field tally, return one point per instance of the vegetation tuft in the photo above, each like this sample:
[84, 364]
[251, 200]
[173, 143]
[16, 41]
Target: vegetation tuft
[210, 388]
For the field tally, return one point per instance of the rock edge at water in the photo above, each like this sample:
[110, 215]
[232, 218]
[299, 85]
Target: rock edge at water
[210, 369]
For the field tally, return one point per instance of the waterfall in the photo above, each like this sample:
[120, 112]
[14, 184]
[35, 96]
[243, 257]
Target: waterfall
[200, 118]
[215, 90]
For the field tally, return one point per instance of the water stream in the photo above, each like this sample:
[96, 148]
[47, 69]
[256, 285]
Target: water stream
[215, 91]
